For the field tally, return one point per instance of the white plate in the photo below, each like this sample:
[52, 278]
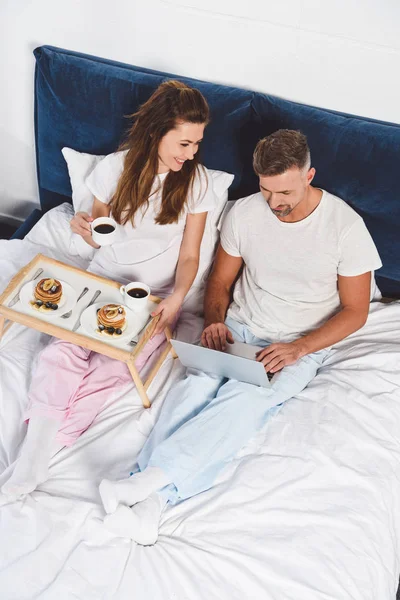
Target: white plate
[68, 299]
[134, 323]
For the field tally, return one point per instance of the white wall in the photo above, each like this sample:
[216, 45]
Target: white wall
[339, 54]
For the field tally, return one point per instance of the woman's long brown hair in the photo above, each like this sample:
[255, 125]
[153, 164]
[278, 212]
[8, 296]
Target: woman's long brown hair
[171, 102]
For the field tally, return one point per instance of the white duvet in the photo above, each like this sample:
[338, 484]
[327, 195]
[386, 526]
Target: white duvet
[309, 510]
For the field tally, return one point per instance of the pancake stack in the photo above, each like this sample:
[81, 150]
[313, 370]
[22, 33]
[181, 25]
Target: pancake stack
[111, 319]
[47, 294]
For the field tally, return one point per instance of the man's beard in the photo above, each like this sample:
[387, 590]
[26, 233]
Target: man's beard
[282, 213]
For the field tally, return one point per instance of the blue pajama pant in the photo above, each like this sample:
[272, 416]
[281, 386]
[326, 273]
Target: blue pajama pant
[206, 420]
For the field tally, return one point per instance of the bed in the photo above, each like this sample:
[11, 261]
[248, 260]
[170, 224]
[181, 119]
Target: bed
[309, 509]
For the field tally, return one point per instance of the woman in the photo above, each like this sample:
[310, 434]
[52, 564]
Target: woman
[158, 192]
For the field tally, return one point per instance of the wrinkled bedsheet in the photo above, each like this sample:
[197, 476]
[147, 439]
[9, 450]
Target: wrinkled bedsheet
[309, 509]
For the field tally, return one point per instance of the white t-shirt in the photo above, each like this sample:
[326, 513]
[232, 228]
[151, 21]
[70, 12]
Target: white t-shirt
[288, 286]
[147, 251]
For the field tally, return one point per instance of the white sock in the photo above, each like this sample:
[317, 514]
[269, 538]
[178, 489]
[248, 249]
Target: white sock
[139, 523]
[32, 465]
[132, 490]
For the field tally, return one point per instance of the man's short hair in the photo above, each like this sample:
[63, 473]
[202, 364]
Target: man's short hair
[280, 151]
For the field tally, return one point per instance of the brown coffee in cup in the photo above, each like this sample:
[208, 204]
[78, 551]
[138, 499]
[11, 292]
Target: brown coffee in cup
[104, 228]
[137, 293]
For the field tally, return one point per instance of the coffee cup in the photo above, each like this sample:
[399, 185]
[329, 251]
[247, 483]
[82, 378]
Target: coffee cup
[136, 295]
[104, 231]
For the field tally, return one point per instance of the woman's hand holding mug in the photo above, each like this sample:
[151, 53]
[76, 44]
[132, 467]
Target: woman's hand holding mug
[80, 224]
[96, 232]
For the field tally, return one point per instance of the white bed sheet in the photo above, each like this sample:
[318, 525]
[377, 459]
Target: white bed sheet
[309, 510]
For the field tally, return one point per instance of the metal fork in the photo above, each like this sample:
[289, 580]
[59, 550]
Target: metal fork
[93, 300]
[69, 313]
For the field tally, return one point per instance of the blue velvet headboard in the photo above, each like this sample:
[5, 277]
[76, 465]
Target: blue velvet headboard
[81, 101]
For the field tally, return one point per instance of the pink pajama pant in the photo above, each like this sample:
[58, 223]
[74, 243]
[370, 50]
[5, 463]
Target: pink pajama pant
[72, 384]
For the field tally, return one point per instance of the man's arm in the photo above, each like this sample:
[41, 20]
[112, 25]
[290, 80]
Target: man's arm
[354, 293]
[217, 298]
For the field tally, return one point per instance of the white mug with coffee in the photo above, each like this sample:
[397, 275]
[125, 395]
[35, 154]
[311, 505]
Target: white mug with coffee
[136, 295]
[104, 231]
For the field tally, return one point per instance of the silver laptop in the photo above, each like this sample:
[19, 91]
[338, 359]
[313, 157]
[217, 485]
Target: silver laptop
[237, 362]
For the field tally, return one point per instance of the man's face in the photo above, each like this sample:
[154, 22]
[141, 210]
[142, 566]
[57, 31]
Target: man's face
[285, 192]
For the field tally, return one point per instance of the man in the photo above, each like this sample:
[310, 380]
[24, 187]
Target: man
[307, 264]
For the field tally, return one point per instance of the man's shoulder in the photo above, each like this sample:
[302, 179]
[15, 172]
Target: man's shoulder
[339, 211]
[241, 206]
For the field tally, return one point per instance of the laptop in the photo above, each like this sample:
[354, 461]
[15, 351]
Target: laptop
[237, 362]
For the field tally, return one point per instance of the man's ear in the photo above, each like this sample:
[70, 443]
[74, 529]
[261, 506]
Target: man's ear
[310, 175]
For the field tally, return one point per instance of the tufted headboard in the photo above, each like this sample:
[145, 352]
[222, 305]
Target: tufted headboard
[82, 101]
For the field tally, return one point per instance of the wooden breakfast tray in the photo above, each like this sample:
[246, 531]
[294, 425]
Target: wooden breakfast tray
[62, 328]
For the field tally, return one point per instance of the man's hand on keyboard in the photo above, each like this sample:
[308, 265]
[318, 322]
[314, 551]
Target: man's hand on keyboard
[277, 356]
[216, 336]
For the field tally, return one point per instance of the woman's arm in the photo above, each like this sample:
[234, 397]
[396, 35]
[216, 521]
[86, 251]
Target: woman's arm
[80, 224]
[186, 270]
[189, 254]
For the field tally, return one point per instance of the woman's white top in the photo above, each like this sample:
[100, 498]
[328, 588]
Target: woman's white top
[145, 251]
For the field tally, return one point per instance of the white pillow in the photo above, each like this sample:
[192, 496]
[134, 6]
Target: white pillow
[80, 165]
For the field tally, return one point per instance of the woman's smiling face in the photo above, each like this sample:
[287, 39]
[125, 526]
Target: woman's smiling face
[178, 145]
